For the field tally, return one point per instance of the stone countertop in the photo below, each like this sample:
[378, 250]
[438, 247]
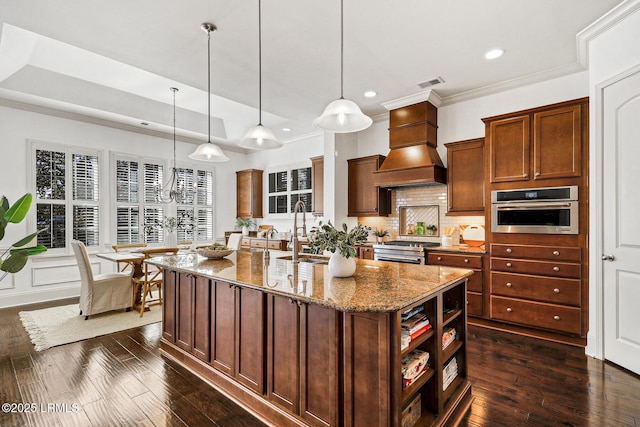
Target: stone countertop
[464, 249]
[376, 286]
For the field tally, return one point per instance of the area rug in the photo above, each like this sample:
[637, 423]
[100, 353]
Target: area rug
[54, 326]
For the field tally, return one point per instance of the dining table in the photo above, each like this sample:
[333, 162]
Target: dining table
[135, 258]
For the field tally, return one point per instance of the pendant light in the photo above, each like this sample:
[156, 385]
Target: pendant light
[208, 152]
[259, 137]
[342, 115]
[173, 190]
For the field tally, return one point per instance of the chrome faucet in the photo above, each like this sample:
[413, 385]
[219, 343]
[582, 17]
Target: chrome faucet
[265, 252]
[299, 206]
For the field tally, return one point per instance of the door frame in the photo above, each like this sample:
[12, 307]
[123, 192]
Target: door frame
[595, 336]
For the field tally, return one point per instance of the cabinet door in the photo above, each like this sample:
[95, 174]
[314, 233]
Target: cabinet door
[509, 141]
[557, 148]
[317, 166]
[319, 394]
[283, 352]
[366, 252]
[223, 333]
[169, 305]
[202, 319]
[184, 311]
[465, 177]
[249, 193]
[365, 199]
[250, 338]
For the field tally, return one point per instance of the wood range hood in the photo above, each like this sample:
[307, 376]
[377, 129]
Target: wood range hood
[413, 159]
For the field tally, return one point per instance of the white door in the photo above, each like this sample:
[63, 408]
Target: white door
[621, 216]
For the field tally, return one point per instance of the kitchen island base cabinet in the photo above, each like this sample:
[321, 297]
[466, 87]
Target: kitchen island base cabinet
[295, 363]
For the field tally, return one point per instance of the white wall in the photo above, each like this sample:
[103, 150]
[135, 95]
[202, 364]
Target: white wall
[611, 52]
[51, 277]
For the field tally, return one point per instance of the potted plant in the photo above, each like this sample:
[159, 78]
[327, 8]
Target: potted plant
[431, 229]
[326, 237]
[244, 224]
[380, 234]
[17, 253]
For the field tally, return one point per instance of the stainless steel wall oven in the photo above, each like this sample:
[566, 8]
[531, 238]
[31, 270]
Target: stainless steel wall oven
[547, 210]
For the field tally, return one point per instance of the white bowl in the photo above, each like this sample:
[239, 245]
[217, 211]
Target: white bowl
[214, 253]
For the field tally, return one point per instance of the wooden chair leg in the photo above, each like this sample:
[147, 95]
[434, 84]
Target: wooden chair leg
[144, 297]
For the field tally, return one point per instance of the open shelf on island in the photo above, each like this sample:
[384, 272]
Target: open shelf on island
[413, 388]
[417, 341]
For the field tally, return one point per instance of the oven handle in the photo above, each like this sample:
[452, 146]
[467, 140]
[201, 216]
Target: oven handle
[406, 260]
[527, 206]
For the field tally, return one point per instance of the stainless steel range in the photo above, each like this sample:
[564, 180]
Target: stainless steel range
[406, 251]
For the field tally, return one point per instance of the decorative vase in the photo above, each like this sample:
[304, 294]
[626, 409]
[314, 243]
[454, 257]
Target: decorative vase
[412, 229]
[172, 239]
[339, 266]
[420, 229]
[245, 230]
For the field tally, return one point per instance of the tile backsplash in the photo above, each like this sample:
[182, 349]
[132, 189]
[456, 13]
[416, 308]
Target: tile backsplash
[419, 201]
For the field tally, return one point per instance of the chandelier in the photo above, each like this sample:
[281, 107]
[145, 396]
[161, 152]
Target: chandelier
[174, 189]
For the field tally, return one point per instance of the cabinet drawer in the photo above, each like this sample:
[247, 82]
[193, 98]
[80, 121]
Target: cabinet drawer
[536, 252]
[536, 314]
[475, 281]
[547, 289]
[258, 243]
[274, 245]
[246, 242]
[454, 260]
[474, 304]
[543, 268]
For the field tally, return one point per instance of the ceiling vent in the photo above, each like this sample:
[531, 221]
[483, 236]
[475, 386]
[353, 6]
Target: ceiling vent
[431, 82]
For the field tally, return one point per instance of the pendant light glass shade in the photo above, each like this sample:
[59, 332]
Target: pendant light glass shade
[342, 115]
[208, 152]
[259, 137]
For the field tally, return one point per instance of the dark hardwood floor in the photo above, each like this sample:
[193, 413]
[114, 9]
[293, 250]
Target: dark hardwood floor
[121, 380]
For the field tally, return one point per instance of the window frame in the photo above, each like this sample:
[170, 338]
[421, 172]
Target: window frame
[289, 168]
[69, 203]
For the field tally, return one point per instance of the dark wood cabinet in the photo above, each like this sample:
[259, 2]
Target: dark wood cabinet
[249, 193]
[223, 322]
[465, 177]
[302, 359]
[365, 252]
[317, 172]
[184, 312]
[547, 141]
[201, 319]
[365, 199]
[169, 305]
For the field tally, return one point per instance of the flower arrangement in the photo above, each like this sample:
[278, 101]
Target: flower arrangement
[381, 233]
[431, 228]
[245, 222]
[326, 237]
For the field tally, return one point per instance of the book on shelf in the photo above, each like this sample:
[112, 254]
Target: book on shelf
[414, 321]
[414, 365]
[449, 373]
[448, 336]
[420, 331]
[409, 313]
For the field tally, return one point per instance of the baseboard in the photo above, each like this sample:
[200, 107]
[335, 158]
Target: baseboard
[529, 332]
[24, 298]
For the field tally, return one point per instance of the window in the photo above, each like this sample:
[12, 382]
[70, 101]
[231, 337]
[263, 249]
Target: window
[67, 195]
[139, 213]
[286, 187]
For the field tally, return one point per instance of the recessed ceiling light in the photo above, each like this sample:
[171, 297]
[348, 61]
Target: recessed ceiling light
[286, 129]
[494, 53]
[370, 93]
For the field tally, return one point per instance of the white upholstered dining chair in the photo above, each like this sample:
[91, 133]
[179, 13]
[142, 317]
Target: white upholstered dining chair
[100, 292]
[235, 240]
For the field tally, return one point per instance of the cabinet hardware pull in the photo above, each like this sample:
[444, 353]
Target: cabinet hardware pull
[556, 253]
[466, 260]
[556, 268]
[508, 250]
[525, 175]
[508, 264]
[290, 301]
[509, 310]
[439, 258]
[556, 290]
[509, 284]
[556, 317]
[537, 174]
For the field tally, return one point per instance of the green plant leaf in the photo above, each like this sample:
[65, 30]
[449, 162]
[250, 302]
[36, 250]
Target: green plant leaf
[32, 250]
[19, 209]
[29, 238]
[16, 261]
[4, 205]
[3, 225]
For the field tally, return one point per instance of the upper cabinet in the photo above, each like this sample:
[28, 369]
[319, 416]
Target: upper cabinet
[365, 199]
[465, 177]
[537, 144]
[317, 171]
[249, 193]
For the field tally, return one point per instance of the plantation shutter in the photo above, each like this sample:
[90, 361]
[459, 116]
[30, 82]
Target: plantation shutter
[86, 214]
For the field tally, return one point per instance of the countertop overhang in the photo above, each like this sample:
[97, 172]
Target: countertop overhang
[376, 286]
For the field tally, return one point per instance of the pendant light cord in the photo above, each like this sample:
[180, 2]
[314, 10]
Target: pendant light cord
[260, 62]
[209, 83]
[341, 49]
[174, 90]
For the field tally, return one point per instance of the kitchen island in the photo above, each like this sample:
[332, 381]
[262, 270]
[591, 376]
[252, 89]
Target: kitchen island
[296, 346]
